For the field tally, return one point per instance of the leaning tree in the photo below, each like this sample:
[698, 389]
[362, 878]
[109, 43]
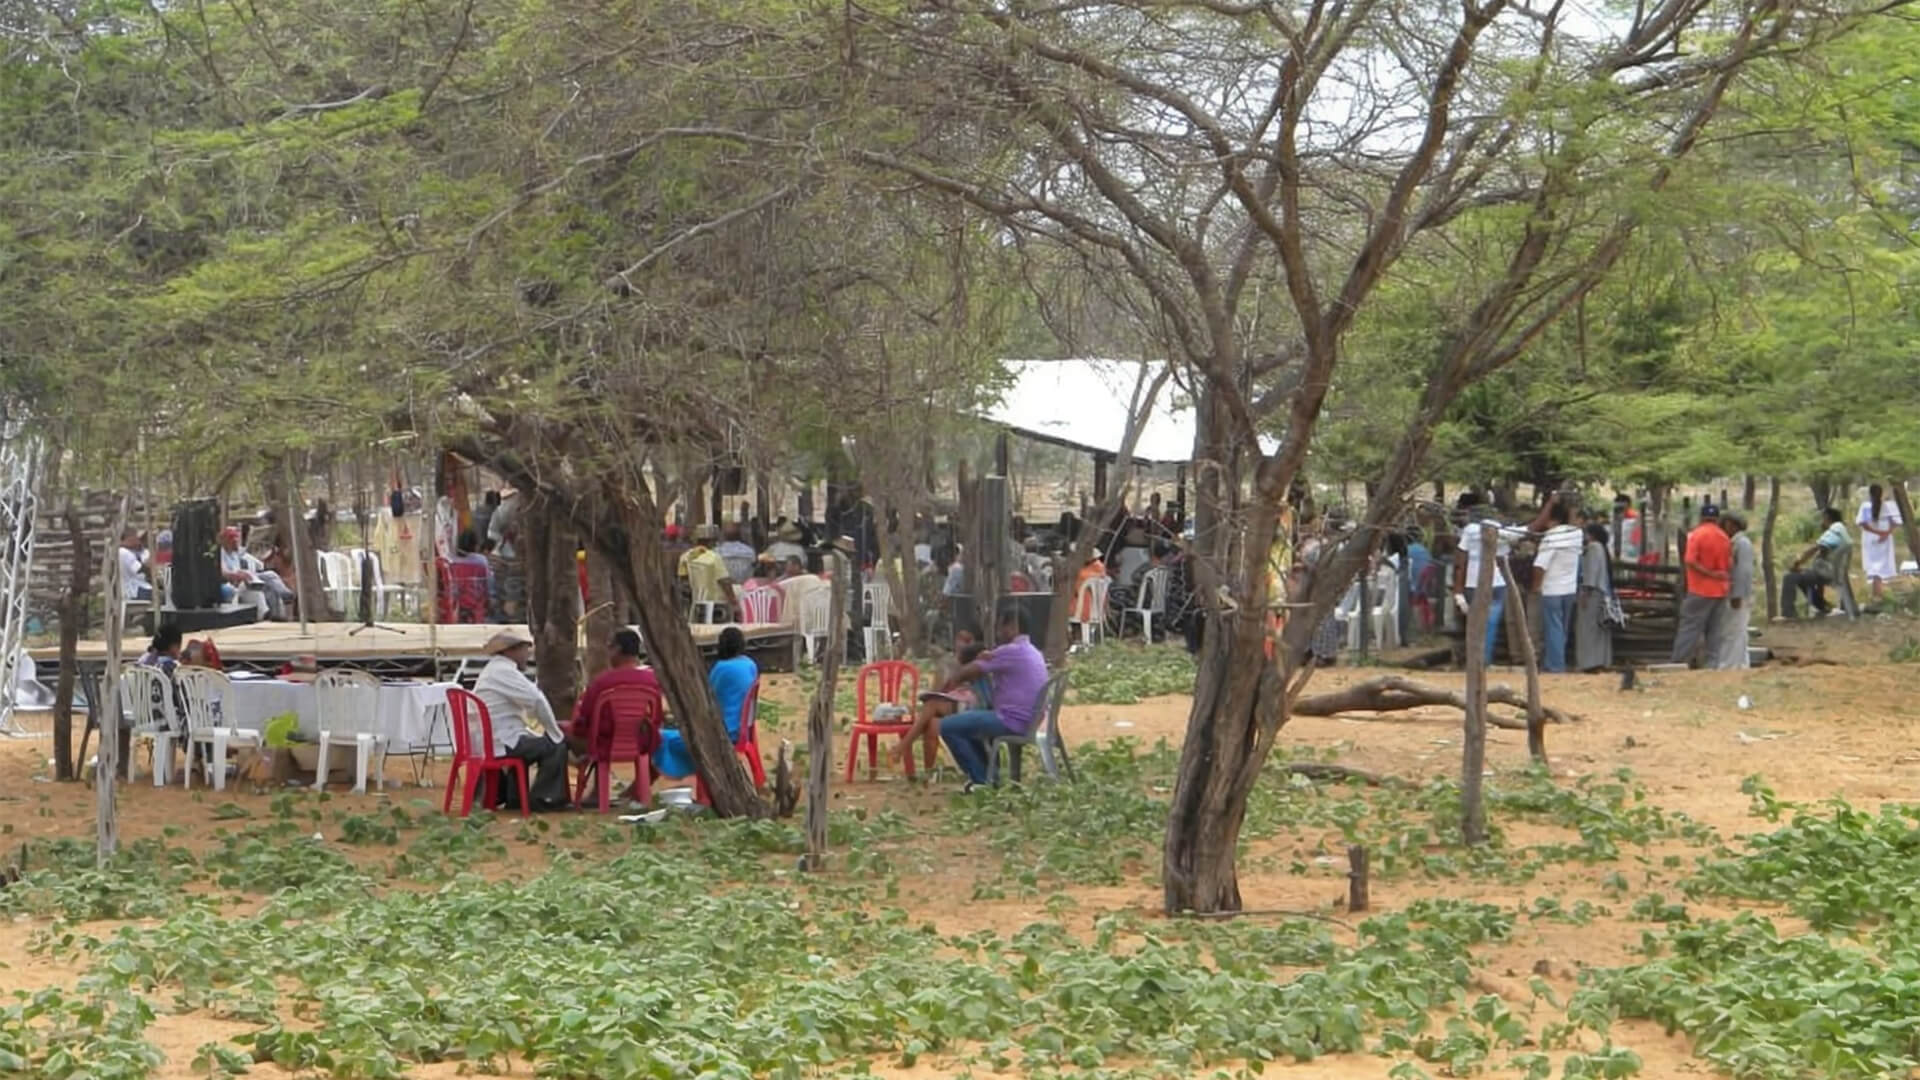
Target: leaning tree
[1257, 170]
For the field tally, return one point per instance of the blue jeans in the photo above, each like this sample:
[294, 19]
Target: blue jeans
[1557, 612]
[1495, 612]
[969, 736]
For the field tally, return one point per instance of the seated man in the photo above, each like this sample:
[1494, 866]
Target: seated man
[1827, 555]
[1017, 673]
[623, 669]
[133, 567]
[523, 723]
[736, 553]
[247, 575]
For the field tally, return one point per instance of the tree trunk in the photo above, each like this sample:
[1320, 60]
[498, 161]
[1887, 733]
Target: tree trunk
[1766, 545]
[1517, 629]
[1473, 757]
[605, 612]
[672, 653]
[820, 725]
[1746, 493]
[1911, 528]
[73, 616]
[310, 591]
[1822, 487]
[106, 711]
[553, 604]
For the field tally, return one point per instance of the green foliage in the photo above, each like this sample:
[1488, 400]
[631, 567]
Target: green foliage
[1122, 673]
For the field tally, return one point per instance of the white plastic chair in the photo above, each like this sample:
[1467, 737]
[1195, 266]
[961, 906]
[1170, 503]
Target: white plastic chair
[207, 695]
[1383, 611]
[1151, 600]
[877, 598]
[348, 702]
[758, 605]
[148, 694]
[1091, 598]
[342, 576]
[816, 612]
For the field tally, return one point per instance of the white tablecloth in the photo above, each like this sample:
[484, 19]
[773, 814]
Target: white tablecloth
[406, 710]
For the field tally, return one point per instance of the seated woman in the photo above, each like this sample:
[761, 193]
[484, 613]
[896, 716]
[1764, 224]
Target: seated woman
[731, 677]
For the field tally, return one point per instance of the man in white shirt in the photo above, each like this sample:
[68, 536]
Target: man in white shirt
[246, 574]
[787, 546]
[523, 721]
[1556, 567]
[133, 578]
[1466, 560]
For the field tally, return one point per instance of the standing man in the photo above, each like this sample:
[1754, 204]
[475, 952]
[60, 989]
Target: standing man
[523, 723]
[1731, 652]
[1018, 673]
[1556, 569]
[1709, 562]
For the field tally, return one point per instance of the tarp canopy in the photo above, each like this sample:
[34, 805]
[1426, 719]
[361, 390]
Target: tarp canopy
[1083, 404]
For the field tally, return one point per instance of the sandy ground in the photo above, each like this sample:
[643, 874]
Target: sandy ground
[1813, 731]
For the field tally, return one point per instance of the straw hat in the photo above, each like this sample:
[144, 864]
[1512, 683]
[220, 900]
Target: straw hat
[504, 640]
[790, 533]
[705, 533]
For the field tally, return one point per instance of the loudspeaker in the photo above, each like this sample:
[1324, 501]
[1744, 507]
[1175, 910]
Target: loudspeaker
[196, 554]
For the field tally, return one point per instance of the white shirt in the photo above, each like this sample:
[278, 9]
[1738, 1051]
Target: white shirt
[1889, 517]
[238, 561]
[131, 579]
[511, 698]
[1558, 560]
[786, 549]
[1472, 539]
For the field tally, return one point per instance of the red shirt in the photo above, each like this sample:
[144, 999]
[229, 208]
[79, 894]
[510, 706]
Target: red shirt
[1709, 546]
[634, 675]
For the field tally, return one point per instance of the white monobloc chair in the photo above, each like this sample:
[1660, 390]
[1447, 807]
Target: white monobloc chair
[148, 694]
[348, 702]
[207, 696]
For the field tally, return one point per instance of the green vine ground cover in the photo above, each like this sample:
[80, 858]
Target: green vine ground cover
[399, 937]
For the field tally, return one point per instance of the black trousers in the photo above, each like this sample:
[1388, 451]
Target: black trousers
[1808, 582]
[547, 760]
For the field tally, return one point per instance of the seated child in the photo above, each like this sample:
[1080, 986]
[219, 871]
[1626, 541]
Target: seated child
[935, 705]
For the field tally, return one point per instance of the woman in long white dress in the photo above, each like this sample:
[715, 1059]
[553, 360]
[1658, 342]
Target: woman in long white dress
[1879, 516]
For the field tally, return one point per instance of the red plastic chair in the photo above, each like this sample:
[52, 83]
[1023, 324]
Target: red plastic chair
[889, 677]
[462, 706]
[747, 745]
[463, 592]
[624, 727]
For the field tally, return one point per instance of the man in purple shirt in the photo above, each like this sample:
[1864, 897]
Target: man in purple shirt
[1018, 673]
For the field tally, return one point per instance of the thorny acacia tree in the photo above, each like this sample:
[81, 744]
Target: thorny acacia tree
[1258, 169]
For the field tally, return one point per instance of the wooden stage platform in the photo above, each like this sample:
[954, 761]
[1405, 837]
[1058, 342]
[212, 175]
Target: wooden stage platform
[396, 648]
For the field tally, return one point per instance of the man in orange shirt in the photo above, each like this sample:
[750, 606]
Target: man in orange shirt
[1709, 562]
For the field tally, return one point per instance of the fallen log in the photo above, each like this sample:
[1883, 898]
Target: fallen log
[1319, 770]
[1395, 693]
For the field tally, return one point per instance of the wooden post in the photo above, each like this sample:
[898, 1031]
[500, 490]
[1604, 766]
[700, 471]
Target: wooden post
[1366, 606]
[1100, 482]
[1357, 898]
[107, 708]
[820, 723]
[1522, 637]
[1473, 757]
[1909, 527]
[1766, 544]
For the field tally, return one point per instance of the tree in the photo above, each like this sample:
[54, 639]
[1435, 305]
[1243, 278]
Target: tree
[1167, 143]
